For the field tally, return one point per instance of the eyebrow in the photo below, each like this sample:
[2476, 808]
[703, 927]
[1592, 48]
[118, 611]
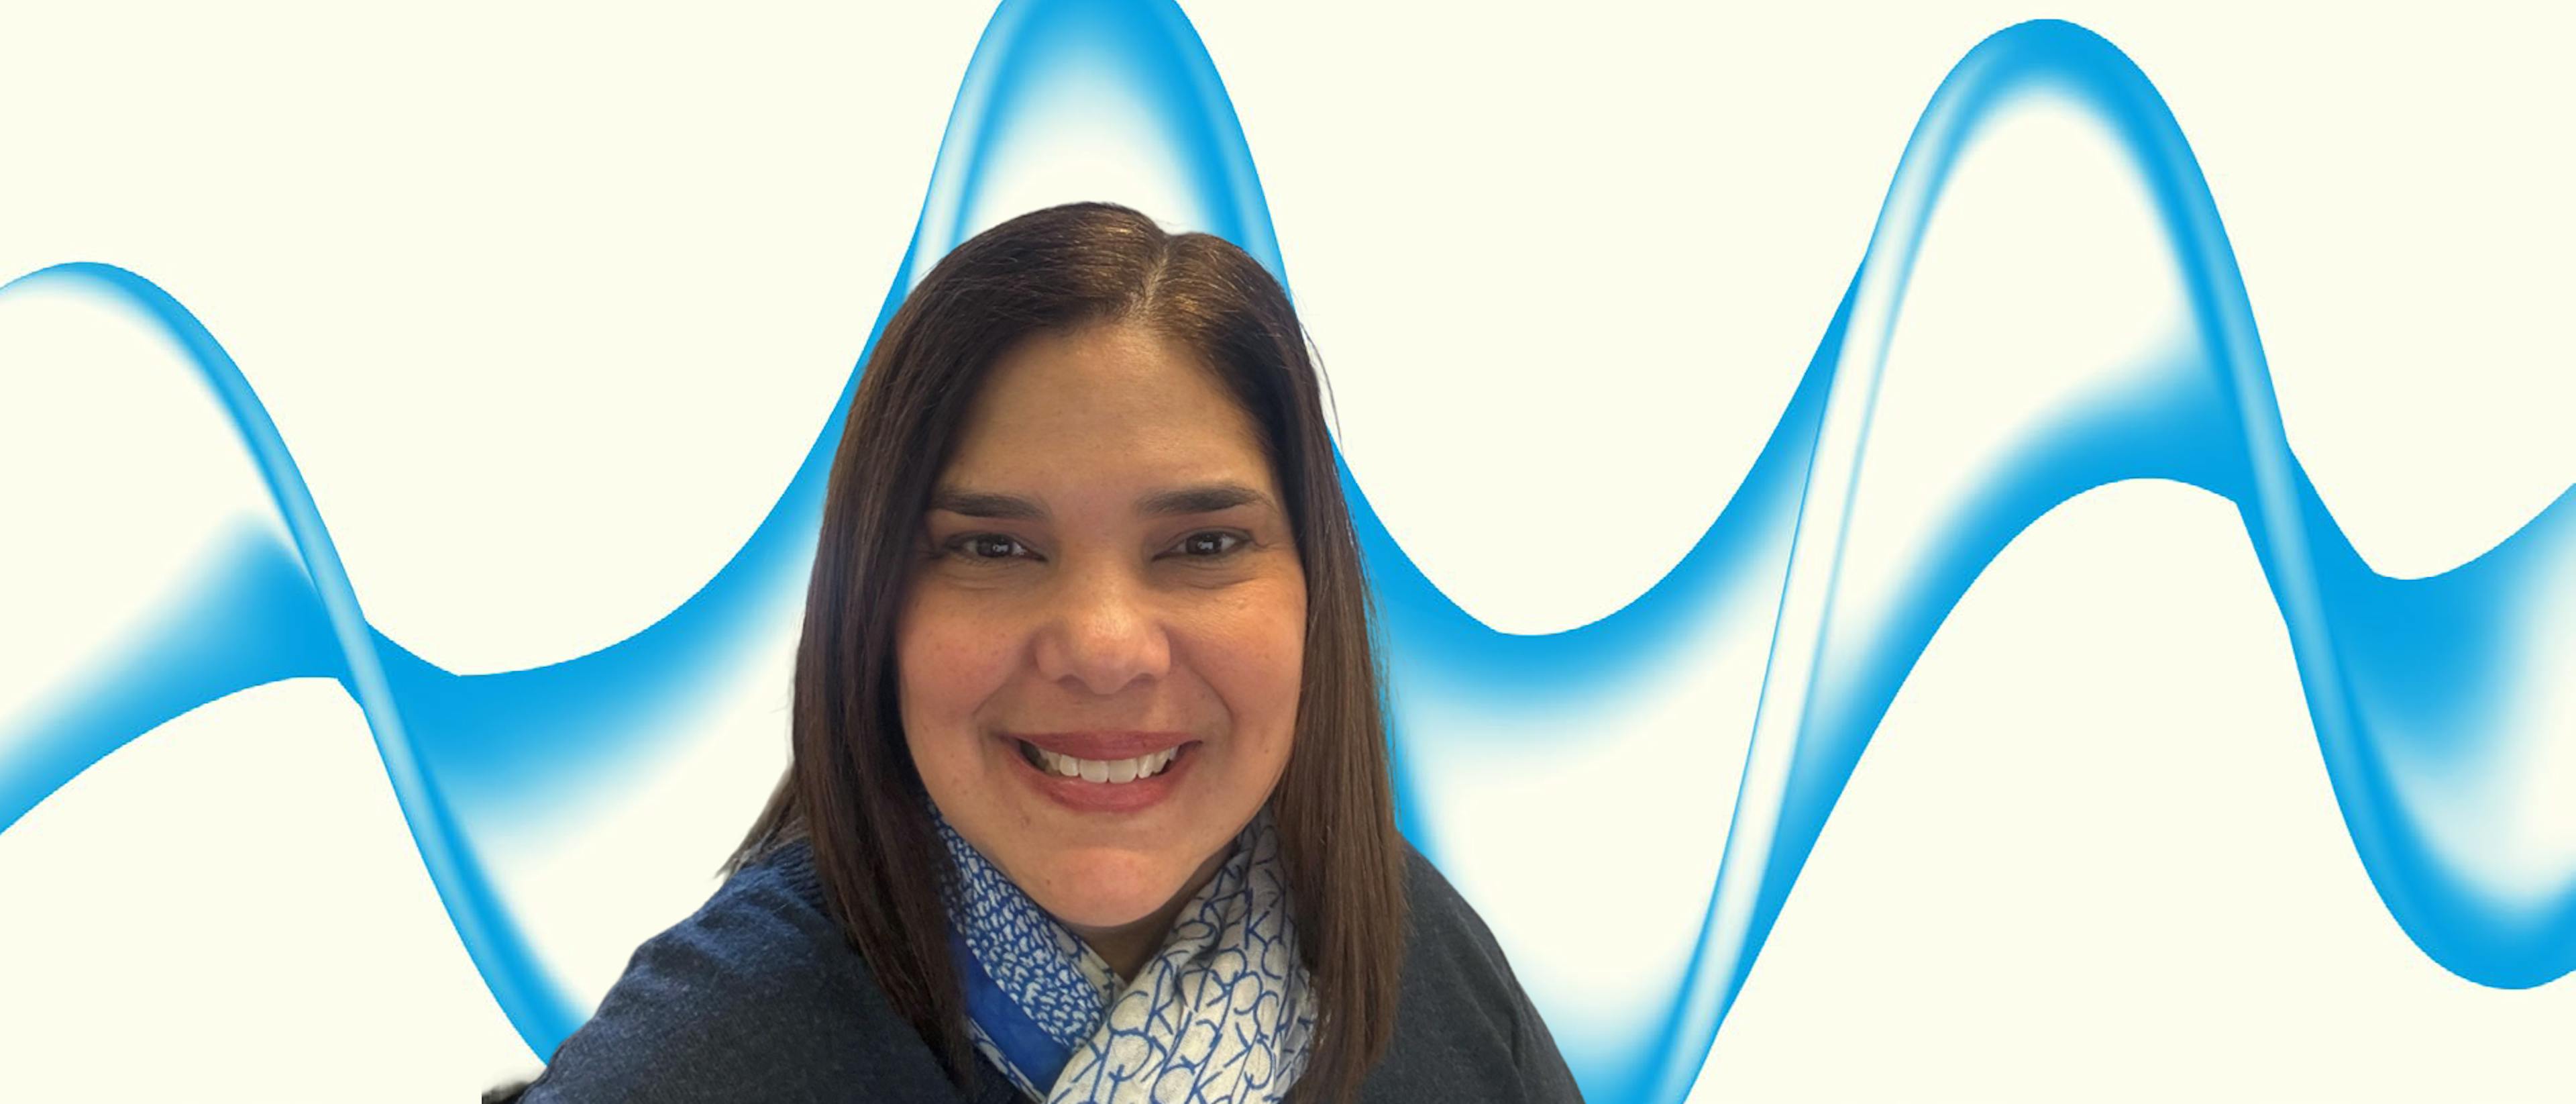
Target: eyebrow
[1205, 498]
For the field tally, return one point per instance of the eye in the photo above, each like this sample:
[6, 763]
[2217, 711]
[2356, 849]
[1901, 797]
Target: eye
[986, 547]
[1214, 544]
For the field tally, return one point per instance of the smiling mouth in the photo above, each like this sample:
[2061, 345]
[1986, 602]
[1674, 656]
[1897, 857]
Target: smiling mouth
[1111, 771]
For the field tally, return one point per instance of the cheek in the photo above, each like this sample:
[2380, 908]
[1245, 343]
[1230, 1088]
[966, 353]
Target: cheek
[947, 666]
[1259, 665]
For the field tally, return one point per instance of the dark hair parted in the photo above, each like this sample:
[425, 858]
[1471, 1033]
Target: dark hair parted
[851, 787]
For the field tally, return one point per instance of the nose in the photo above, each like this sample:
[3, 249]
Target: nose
[1103, 633]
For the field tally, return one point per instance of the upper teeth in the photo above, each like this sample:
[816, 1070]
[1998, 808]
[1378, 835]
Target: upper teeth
[1112, 770]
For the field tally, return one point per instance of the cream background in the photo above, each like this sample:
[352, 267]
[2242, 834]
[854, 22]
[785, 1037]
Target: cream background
[546, 303]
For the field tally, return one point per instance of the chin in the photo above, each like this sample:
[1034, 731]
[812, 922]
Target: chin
[1096, 889]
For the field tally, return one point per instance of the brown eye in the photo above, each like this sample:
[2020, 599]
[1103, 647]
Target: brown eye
[987, 547]
[1211, 545]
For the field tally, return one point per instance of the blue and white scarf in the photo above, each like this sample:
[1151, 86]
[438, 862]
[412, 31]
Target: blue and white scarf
[1224, 1012]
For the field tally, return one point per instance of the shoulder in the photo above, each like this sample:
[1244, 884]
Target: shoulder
[754, 996]
[1448, 946]
[1464, 1030]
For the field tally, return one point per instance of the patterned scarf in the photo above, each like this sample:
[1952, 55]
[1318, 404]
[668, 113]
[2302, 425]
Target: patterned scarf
[1224, 1012]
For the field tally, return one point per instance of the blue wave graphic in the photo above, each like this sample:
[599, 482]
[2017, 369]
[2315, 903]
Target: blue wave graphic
[2437, 701]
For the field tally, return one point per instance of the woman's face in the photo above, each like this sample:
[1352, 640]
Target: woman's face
[1107, 585]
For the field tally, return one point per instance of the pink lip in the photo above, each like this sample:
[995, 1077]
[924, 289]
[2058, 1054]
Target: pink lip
[1107, 746]
[1085, 796]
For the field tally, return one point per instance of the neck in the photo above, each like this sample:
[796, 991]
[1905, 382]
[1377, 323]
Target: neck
[1128, 947]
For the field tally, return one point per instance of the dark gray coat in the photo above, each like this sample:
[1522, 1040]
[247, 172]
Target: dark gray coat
[756, 997]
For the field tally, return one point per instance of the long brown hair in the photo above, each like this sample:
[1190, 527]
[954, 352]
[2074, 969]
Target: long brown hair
[851, 787]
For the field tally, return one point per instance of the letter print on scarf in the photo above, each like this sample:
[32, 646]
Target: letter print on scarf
[1222, 1014]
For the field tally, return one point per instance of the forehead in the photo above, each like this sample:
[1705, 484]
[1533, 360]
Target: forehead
[1111, 406]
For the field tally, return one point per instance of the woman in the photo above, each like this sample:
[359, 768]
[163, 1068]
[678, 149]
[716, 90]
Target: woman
[1101, 811]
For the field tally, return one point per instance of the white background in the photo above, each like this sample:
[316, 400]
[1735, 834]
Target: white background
[547, 304]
